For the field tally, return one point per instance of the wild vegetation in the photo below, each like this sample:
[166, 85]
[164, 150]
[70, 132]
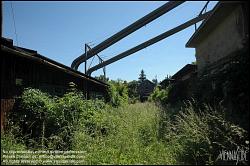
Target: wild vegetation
[160, 95]
[122, 133]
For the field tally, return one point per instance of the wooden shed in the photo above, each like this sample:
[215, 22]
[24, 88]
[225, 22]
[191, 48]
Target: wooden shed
[185, 73]
[22, 67]
[145, 88]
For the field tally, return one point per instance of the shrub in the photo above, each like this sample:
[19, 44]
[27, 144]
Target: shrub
[34, 112]
[48, 121]
[118, 93]
[9, 142]
[159, 95]
[133, 89]
[142, 133]
[200, 135]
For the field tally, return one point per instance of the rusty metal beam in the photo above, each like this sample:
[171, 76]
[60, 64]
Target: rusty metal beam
[150, 42]
[126, 31]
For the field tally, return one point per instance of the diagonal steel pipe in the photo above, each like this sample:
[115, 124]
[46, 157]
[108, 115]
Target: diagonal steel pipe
[150, 42]
[126, 31]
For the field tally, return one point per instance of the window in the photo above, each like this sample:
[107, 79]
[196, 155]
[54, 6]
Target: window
[19, 81]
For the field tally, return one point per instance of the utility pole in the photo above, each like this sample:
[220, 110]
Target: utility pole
[85, 71]
[86, 54]
[104, 71]
[1, 18]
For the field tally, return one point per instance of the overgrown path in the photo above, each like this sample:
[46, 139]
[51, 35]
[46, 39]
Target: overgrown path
[132, 140]
[140, 133]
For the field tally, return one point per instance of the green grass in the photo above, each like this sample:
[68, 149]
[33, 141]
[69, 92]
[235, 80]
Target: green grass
[144, 133]
[132, 140]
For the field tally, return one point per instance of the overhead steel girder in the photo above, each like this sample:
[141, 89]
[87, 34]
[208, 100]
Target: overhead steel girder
[126, 31]
[150, 42]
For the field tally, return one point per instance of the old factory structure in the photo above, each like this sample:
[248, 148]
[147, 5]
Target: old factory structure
[220, 35]
[221, 51]
[219, 74]
[21, 67]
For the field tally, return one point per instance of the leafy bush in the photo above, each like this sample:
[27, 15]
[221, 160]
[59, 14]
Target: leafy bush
[35, 110]
[199, 136]
[159, 95]
[48, 121]
[142, 133]
[133, 89]
[9, 142]
[118, 93]
[121, 93]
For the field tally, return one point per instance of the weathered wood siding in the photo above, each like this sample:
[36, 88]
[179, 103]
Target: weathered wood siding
[6, 106]
[18, 72]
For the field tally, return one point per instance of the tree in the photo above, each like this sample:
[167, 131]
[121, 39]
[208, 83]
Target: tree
[102, 78]
[142, 76]
[168, 77]
[155, 81]
[118, 93]
[133, 89]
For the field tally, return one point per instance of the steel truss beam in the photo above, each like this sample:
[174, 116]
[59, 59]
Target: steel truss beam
[150, 42]
[126, 31]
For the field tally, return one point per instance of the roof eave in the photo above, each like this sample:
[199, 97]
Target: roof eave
[191, 41]
[36, 56]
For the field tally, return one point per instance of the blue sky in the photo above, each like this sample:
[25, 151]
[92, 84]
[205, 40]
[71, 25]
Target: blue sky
[59, 30]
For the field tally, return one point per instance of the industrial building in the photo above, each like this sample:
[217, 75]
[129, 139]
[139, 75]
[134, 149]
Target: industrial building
[22, 67]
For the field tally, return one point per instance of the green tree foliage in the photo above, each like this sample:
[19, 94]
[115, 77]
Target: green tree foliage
[142, 76]
[168, 77]
[155, 81]
[102, 78]
[133, 89]
[141, 133]
[118, 93]
[159, 95]
[50, 121]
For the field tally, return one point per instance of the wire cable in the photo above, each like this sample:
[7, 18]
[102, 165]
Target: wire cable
[91, 62]
[13, 17]
[203, 9]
